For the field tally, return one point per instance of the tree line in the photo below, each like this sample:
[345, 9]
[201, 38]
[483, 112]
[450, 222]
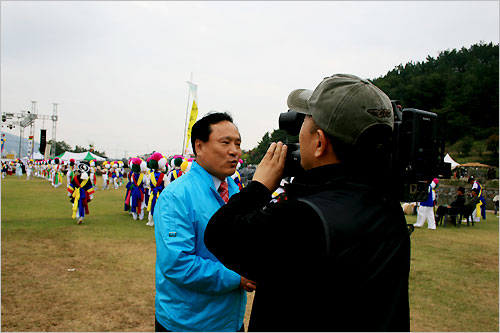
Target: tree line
[460, 86]
[62, 146]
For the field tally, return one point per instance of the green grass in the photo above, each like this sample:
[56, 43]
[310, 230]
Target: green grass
[112, 286]
[453, 278]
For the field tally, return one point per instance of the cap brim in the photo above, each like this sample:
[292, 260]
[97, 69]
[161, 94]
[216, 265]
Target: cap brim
[298, 100]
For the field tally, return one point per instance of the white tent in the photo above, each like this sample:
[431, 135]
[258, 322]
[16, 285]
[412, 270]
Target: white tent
[448, 159]
[87, 156]
[36, 156]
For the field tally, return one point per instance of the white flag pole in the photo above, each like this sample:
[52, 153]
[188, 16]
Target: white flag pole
[185, 121]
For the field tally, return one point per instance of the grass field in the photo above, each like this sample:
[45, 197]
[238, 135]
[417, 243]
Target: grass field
[110, 285]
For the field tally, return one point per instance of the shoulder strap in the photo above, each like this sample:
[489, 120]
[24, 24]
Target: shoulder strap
[160, 178]
[323, 221]
[152, 178]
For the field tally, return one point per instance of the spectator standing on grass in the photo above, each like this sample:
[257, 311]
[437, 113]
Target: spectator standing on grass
[334, 256]
[194, 291]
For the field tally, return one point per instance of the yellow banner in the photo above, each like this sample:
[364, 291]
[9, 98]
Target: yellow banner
[192, 120]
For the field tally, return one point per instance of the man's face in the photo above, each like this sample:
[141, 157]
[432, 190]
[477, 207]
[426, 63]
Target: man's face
[220, 154]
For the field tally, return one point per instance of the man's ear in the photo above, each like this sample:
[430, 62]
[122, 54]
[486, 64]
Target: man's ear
[199, 147]
[321, 143]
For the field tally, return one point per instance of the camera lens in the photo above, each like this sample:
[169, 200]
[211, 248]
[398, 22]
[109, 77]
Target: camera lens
[291, 122]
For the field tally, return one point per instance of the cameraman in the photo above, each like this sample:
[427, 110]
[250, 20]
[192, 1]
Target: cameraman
[335, 255]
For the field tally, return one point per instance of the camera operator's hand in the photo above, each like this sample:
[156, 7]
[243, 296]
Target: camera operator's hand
[247, 284]
[270, 170]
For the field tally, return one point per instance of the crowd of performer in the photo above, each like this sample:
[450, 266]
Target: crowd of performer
[146, 179]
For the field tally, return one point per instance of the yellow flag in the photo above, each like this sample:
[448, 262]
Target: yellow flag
[192, 120]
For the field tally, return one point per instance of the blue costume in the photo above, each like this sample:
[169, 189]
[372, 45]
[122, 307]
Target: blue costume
[136, 195]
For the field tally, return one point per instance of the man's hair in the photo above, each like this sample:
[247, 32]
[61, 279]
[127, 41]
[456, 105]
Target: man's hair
[202, 128]
[475, 190]
[461, 189]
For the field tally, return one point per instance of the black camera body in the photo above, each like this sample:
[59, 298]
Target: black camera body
[416, 151]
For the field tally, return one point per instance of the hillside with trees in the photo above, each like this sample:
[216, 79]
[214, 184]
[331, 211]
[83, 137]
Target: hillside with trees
[62, 146]
[460, 86]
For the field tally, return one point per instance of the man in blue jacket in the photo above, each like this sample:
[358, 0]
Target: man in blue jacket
[194, 290]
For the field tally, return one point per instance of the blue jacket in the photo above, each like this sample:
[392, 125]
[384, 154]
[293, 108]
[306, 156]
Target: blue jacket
[194, 291]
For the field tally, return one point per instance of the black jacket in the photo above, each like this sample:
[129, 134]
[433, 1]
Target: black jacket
[459, 201]
[354, 280]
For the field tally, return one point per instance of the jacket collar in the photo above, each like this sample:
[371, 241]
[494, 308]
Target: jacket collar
[208, 179]
[205, 176]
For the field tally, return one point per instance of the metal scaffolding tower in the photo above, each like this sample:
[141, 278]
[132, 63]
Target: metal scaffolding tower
[24, 119]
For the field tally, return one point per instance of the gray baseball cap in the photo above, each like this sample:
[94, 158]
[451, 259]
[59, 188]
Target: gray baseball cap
[344, 106]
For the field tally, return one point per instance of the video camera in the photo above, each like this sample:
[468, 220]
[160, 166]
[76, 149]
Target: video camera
[416, 152]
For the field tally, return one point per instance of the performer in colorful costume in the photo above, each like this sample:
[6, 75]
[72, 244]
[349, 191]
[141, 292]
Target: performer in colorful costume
[176, 172]
[30, 169]
[237, 177]
[44, 169]
[146, 181]
[93, 177]
[136, 198]
[157, 182]
[71, 170]
[37, 169]
[4, 169]
[481, 206]
[114, 174]
[81, 192]
[120, 173]
[19, 169]
[57, 176]
[425, 211]
[128, 187]
[105, 175]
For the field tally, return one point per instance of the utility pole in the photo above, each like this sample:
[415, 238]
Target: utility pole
[185, 121]
[32, 129]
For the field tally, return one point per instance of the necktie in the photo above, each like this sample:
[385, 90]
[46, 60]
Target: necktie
[223, 191]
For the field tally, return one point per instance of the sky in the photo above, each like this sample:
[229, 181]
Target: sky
[118, 70]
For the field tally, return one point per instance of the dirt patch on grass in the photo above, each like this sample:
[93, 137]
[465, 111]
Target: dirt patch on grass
[82, 286]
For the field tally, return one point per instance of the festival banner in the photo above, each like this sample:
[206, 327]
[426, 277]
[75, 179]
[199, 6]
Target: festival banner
[30, 146]
[194, 114]
[47, 151]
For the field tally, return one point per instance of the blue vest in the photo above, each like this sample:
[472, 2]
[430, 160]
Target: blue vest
[429, 202]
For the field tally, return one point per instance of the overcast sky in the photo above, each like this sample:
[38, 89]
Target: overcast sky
[118, 70]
